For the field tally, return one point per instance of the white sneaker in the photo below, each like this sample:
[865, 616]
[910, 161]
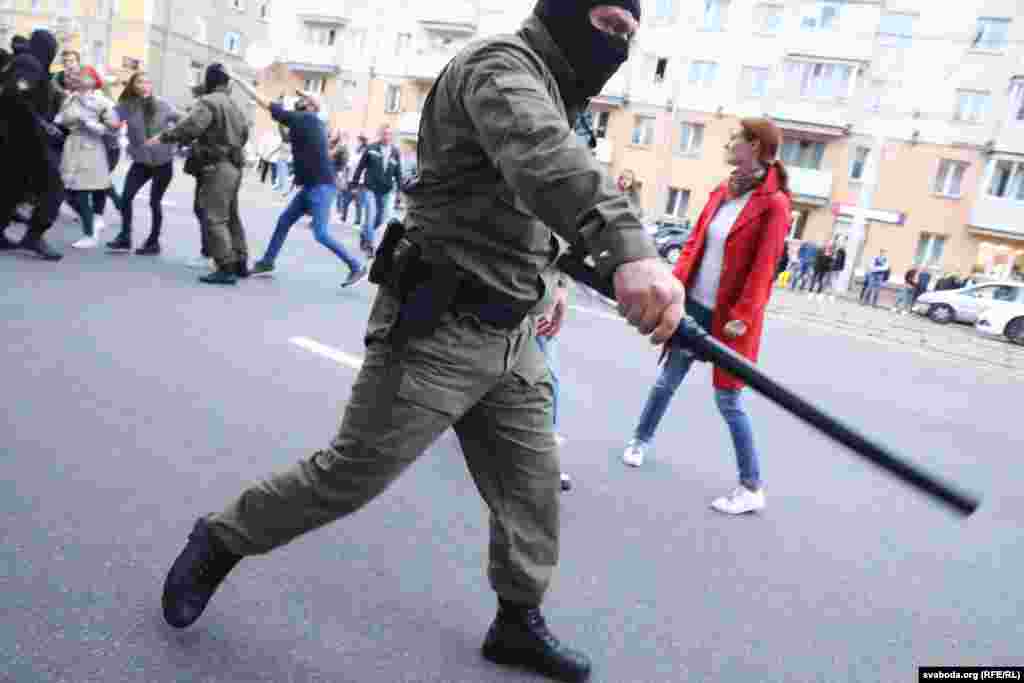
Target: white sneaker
[560, 440]
[740, 501]
[634, 454]
[99, 224]
[86, 243]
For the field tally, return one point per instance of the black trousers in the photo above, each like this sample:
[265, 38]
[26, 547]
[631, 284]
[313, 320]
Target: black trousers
[138, 176]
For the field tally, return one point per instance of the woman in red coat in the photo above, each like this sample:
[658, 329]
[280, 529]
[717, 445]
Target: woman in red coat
[728, 268]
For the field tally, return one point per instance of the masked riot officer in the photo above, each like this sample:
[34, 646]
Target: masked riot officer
[450, 341]
[217, 129]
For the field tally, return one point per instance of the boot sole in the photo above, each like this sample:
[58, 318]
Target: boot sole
[514, 659]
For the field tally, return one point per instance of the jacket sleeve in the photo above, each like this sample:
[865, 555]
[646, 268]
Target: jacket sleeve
[758, 287]
[360, 169]
[527, 136]
[194, 125]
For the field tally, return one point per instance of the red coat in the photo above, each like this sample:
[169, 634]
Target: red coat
[752, 252]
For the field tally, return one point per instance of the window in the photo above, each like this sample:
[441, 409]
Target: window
[318, 34]
[949, 178]
[803, 153]
[859, 162]
[357, 41]
[195, 73]
[714, 15]
[768, 19]
[601, 129]
[819, 79]
[232, 42]
[659, 70]
[348, 93]
[99, 52]
[664, 10]
[895, 30]
[821, 16]
[971, 106]
[997, 293]
[1017, 100]
[393, 99]
[754, 81]
[702, 74]
[264, 11]
[315, 85]
[238, 5]
[678, 202]
[691, 139]
[1007, 181]
[797, 223]
[402, 43]
[992, 34]
[643, 130]
[929, 250]
[201, 30]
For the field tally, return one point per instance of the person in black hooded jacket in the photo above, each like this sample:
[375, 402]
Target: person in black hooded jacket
[28, 104]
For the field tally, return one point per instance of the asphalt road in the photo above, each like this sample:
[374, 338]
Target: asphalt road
[137, 399]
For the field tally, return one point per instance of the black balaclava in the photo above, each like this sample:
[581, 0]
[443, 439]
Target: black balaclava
[593, 55]
[43, 45]
[19, 44]
[215, 78]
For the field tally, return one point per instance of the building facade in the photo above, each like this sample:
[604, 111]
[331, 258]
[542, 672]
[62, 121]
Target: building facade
[172, 40]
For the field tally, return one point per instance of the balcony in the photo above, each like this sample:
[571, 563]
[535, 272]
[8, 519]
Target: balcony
[313, 59]
[997, 217]
[810, 186]
[450, 18]
[828, 118]
[428, 65]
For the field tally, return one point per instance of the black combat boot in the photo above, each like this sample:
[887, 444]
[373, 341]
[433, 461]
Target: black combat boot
[195, 576]
[221, 276]
[520, 638]
[121, 244]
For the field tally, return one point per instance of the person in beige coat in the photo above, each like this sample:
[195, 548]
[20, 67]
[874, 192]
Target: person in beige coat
[89, 116]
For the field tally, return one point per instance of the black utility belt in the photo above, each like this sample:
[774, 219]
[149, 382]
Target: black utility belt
[429, 284]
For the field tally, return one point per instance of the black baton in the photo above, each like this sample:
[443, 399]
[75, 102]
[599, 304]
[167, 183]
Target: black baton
[693, 337]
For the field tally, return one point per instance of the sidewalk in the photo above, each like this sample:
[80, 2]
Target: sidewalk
[846, 315]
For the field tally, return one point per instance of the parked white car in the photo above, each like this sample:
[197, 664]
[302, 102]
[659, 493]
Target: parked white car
[1003, 321]
[965, 305]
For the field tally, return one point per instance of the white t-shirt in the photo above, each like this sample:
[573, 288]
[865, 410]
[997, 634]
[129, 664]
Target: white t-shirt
[705, 289]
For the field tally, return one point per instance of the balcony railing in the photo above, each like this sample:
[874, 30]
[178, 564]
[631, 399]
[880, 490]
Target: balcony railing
[312, 58]
[449, 17]
[997, 216]
[810, 186]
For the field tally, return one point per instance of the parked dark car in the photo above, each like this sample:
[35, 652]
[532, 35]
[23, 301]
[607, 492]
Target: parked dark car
[669, 238]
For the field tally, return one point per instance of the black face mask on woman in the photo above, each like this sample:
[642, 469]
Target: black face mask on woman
[594, 55]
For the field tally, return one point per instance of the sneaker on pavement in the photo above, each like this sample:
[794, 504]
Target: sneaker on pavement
[634, 454]
[355, 276]
[86, 243]
[262, 268]
[741, 501]
[99, 224]
[220, 277]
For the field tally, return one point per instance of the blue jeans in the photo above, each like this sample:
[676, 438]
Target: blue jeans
[315, 201]
[281, 177]
[380, 204]
[346, 198]
[547, 346]
[728, 401]
[874, 287]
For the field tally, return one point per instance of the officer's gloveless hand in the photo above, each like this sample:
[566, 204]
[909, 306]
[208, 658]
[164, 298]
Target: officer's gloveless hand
[650, 298]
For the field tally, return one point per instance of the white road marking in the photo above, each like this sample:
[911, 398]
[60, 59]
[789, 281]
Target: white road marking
[313, 346]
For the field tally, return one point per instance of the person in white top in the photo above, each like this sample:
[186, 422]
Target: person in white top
[84, 167]
[728, 268]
